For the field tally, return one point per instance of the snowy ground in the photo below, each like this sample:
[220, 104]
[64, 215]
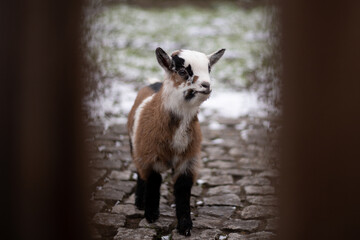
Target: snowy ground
[123, 38]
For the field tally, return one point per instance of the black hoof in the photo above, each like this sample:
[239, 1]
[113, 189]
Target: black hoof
[184, 226]
[152, 216]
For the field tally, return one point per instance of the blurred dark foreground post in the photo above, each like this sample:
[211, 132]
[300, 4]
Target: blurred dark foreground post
[42, 188]
[321, 162]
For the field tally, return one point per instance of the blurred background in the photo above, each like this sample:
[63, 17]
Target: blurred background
[122, 35]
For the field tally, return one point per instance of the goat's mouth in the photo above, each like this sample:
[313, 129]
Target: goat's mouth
[189, 94]
[204, 92]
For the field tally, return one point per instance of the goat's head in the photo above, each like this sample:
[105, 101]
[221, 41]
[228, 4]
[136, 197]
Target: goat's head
[188, 74]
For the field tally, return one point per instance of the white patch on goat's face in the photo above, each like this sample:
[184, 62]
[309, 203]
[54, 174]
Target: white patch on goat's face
[199, 64]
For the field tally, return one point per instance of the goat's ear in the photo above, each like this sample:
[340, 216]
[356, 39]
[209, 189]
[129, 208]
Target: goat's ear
[214, 57]
[163, 59]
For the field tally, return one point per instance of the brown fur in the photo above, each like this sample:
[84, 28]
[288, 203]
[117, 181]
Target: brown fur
[195, 78]
[154, 136]
[177, 80]
[143, 93]
[176, 53]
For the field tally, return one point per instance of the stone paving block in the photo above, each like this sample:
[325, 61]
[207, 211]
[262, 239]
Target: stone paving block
[94, 234]
[255, 211]
[109, 220]
[236, 236]
[109, 194]
[269, 173]
[225, 158]
[262, 236]
[272, 224]
[120, 129]
[267, 200]
[226, 189]
[164, 189]
[96, 156]
[107, 164]
[127, 210]
[96, 206]
[130, 200]
[166, 210]
[254, 166]
[135, 234]
[251, 180]
[196, 191]
[123, 186]
[231, 122]
[162, 223]
[217, 211]
[259, 190]
[236, 152]
[222, 164]
[224, 200]
[241, 225]
[111, 149]
[124, 157]
[215, 151]
[197, 234]
[204, 172]
[120, 175]
[108, 137]
[234, 172]
[96, 175]
[252, 236]
[217, 180]
[207, 222]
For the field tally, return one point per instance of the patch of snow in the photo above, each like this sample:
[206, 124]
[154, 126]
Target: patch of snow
[200, 182]
[134, 176]
[199, 203]
[165, 237]
[101, 148]
[222, 237]
[216, 126]
[218, 141]
[232, 104]
[113, 106]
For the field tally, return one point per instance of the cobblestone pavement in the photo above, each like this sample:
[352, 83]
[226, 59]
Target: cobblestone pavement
[234, 197]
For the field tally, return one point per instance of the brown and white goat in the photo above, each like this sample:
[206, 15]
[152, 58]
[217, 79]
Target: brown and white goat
[165, 132]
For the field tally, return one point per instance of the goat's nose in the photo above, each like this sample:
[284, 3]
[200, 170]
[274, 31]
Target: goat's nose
[205, 85]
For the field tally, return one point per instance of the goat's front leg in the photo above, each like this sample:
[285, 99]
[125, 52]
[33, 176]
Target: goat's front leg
[140, 193]
[182, 191]
[152, 196]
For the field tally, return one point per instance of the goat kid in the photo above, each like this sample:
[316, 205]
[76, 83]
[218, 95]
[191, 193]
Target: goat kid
[165, 133]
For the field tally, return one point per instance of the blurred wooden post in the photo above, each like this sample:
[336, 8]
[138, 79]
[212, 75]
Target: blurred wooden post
[321, 160]
[41, 138]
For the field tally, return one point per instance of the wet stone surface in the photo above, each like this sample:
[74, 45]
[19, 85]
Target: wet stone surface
[234, 196]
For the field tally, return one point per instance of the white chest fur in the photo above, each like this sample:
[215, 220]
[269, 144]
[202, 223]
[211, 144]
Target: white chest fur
[181, 138]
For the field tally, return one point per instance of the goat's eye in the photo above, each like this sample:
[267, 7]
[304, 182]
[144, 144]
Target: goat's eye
[182, 72]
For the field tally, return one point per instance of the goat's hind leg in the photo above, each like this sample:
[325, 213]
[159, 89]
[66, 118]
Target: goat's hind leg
[152, 196]
[140, 193]
[182, 191]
